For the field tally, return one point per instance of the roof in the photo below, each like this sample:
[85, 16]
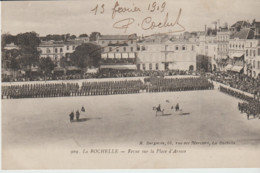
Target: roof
[240, 23]
[56, 43]
[236, 68]
[118, 37]
[246, 33]
[119, 67]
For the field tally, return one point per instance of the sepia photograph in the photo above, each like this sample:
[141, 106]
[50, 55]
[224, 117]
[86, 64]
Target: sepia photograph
[128, 84]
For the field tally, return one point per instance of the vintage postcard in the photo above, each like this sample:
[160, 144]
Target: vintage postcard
[130, 84]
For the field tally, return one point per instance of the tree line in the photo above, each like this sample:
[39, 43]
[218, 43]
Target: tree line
[27, 55]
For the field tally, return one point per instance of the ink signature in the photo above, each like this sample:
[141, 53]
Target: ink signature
[149, 24]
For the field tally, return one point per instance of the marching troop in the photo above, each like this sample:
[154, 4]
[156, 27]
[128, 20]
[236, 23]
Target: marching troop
[251, 108]
[236, 94]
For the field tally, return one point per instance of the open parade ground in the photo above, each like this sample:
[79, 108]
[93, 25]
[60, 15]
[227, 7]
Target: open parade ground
[124, 121]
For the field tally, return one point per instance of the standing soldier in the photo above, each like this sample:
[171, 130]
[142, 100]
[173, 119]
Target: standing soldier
[71, 116]
[77, 115]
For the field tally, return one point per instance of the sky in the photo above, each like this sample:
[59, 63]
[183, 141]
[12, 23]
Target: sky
[76, 17]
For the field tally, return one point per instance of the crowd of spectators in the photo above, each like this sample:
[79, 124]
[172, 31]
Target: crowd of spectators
[238, 81]
[104, 73]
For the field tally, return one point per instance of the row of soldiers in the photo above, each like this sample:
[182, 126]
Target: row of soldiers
[39, 90]
[111, 87]
[179, 84]
[71, 89]
[236, 94]
[104, 88]
[251, 108]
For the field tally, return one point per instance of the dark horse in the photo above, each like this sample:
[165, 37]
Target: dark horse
[158, 109]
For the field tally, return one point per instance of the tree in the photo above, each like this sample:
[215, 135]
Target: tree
[72, 37]
[93, 36]
[86, 55]
[28, 43]
[46, 65]
[10, 59]
[83, 35]
[7, 39]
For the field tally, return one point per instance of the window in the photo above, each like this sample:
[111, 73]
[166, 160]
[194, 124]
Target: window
[110, 49]
[250, 52]
[176, 48]
[239, 46]
[157, 66]
[124, 49]
[246, 52]
[254, 53]
[250, 44]
[61, 50]
[117, 49]
[48, 50]
[192, 47]
[56, 50]
[254, 64]
[132, 49]
[242, 46]
[230, 45]
[150, 66]
[143, 48]
[258, 51]
[258, 64]
[143, 66]
[131, 41]
[103, 42]
[56, 58]
[183, 47]
[68, 47]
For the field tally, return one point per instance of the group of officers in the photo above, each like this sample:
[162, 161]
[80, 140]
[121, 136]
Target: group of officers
[71, 115]
[179, 84]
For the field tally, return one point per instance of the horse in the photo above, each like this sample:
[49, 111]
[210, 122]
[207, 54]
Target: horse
[157, 109]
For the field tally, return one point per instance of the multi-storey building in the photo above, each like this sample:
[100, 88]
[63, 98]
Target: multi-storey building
[118, 51]
[167, 55]
[252, 57]
[57, 49]
[223, 36]
[237, 49]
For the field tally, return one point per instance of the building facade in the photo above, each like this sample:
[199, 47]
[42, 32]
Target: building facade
[169, 55]
[252, 57]
[56, 50]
